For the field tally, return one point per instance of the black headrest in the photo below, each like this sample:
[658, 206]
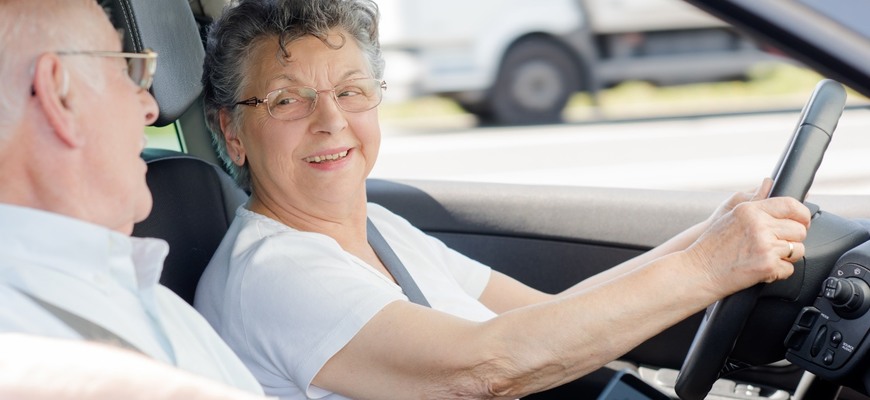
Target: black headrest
[194, 204]
[167, 27]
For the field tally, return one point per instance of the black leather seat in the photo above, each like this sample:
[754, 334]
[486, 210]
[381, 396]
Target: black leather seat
[169, 28]
[194, 204]
[194, 200]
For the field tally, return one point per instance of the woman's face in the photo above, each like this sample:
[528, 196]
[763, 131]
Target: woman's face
[324, 157]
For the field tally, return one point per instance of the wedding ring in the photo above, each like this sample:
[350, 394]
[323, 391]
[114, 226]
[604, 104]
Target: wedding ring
[790, 250]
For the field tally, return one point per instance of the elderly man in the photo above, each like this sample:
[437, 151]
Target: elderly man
[72, 185]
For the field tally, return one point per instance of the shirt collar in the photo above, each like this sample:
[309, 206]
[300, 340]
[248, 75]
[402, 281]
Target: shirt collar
[78, 248]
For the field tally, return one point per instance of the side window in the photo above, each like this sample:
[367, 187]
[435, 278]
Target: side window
[165, 137]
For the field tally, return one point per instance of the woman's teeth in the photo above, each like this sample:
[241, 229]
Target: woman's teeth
[328, 157]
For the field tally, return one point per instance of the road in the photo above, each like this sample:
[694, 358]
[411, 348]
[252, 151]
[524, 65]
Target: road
[725, 152]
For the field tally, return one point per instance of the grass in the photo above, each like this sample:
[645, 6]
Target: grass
[431, 106]
[767, 86]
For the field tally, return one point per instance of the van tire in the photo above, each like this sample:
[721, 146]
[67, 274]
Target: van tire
[535, 81]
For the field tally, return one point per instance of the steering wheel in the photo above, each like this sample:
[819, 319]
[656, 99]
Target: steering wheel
[708, 357]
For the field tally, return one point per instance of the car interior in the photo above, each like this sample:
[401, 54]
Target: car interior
[538, 235]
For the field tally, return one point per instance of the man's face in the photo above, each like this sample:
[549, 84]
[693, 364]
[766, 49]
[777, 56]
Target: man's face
[113, 119]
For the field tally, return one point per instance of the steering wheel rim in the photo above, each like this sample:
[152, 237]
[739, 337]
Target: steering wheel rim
[708, 356]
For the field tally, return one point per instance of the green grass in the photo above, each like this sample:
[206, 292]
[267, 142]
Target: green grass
[431, 106]
[768, 86]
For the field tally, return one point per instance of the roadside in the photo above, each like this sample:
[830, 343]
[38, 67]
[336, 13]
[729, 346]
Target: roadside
[725, 152]
[769, 87]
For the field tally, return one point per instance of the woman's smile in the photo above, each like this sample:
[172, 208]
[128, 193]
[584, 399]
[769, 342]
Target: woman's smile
[326, 157]
[330, 159]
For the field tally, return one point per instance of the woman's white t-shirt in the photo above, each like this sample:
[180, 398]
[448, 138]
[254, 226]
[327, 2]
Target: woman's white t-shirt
[286, 301]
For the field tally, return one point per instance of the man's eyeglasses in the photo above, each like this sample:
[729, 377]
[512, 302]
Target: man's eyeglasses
[140, 66]
[297, 102]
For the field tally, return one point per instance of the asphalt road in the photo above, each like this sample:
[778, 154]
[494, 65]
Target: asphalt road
[724, 152]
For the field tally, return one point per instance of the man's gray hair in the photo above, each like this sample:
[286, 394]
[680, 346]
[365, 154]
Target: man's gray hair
[23, 39]
[233, 37]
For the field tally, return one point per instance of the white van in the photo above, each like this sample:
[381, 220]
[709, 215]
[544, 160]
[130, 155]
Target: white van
[518, 61]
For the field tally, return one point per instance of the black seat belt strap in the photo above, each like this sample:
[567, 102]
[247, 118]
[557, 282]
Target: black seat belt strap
[394, 265]
[88, 329]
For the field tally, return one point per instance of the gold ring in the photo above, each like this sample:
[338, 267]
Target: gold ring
[790, 250]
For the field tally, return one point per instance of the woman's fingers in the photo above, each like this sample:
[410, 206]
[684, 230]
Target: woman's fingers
[796, 251]
[786, 208]
[790, 250]
[762, 191]
[757, 242]
[758, 193]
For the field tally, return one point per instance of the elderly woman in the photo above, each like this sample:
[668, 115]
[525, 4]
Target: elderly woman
[297, 290]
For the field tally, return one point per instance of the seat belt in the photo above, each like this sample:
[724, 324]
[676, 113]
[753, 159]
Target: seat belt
[394, 265]
[88, 329]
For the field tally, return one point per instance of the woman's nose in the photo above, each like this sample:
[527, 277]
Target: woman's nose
[328, 117]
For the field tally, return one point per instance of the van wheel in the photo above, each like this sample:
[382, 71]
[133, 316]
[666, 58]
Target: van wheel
[534, 84]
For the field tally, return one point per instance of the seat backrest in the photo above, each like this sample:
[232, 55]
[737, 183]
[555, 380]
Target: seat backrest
[169, 28]
[194, 204]
[194, 200]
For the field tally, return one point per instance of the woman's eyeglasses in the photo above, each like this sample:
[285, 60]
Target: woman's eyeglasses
[297, 102]
[140, 66]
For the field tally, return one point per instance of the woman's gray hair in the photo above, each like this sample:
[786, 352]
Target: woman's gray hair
[233, 37]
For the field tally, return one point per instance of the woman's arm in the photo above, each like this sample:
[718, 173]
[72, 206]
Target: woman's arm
[408, 351]
[504, 293]
[679, 242]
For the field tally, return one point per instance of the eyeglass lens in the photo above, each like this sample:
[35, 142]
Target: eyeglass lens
[141, 71]
[297, 102]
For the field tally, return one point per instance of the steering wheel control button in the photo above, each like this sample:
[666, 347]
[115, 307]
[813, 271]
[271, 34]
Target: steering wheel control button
[830, 288]
[828, 359]
[819, 341]
[803, 324]
[848, 296]
[808, 317]
[796, 337]
[836, 338]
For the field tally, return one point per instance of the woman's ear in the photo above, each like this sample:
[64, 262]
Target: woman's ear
[235, 148]
[51, 89]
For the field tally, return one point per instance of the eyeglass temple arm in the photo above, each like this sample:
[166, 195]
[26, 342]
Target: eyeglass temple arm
[253, 102]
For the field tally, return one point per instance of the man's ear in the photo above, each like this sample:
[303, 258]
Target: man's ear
[51, 89]
[235, 148]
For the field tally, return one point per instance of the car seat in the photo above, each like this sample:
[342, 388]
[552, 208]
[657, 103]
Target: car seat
[194, 204]
[194, 200]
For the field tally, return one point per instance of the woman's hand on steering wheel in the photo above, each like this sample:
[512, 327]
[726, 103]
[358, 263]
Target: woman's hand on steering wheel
[760, 192]
[757, 240]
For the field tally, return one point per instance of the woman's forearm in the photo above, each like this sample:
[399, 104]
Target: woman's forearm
[586, 330]
[677, 243]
